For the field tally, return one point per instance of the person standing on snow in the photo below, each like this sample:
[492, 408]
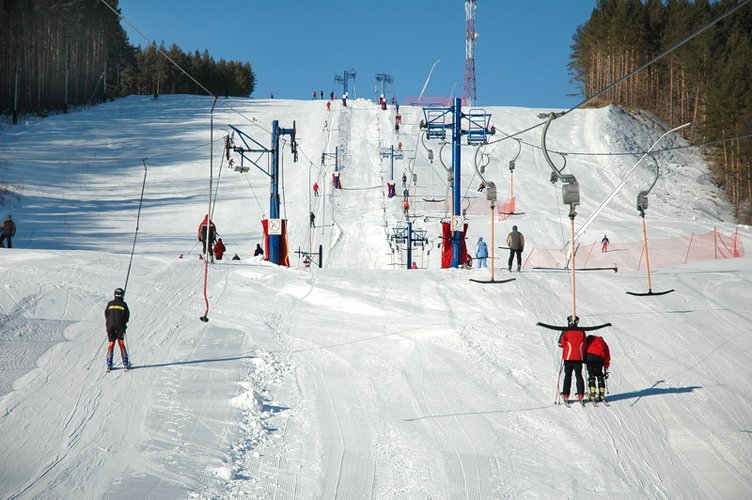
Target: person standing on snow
[116, 316]
[207, 234]
[598, 358]
[481, 253]
[604, 243]
[313, 219]
[315, 189]
[7, 231]
[516, 244]
[572, 343]
[219, 249]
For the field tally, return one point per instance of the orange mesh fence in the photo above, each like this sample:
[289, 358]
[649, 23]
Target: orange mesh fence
[631, 256]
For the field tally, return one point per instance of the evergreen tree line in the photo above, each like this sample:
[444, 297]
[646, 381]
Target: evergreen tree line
[707, 81]
[60, 53]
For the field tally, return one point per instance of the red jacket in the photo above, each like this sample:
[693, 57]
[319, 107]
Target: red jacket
[202, 229]
[219, 249]
[596, 345]
[572, 343]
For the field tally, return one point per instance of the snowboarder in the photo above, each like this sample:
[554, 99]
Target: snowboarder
[516, 244]
[207, 233]
[481, 253]
[258, 251]
[604, 243]
[7, 231]
[598, 358]
[313, 219]
[219, 249]
[315, 189]
[572, 343]
[116, 316]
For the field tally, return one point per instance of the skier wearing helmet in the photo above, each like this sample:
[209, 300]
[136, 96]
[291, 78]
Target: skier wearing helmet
[116, 316]
[572, 343]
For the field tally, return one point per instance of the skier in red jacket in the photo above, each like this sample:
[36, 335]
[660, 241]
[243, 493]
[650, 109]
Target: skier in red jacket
[572, 343]
[219, 249]
[207, 237]
[597, 357]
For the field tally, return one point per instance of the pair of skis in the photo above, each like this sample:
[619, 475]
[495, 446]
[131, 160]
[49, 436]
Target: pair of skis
[583, 401]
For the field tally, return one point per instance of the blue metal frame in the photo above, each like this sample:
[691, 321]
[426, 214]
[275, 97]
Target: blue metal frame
[478, 122]
[272, 173]
[436, 121]
[389, 153]
[477, 132]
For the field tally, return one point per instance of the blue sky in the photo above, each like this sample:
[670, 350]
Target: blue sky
[298, 46]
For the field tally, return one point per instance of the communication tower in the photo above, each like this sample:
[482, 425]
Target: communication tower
[469, 95]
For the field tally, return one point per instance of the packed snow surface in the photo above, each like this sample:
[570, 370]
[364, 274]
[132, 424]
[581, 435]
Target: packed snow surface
[361, 379]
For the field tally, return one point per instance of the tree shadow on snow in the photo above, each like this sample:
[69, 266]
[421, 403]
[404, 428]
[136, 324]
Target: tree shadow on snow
[192, 362]
[652, 391]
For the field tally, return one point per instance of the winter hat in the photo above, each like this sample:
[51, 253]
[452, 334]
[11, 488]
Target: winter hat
[514, 228]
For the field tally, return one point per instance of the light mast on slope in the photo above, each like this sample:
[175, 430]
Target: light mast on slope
[469, 96]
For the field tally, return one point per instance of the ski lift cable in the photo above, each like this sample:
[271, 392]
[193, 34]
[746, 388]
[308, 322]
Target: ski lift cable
[625, 77]
[207, 250]
[623, 182]
[151, 41]
[661, 55]
[219, 176]
[135, 234]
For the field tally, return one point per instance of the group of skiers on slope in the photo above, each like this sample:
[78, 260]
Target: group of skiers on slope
[576, 349]
[515, 243]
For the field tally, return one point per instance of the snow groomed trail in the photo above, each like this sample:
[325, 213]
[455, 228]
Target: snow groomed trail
[361, 379]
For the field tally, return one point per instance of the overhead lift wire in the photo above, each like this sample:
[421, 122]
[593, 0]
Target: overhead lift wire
[634, 71]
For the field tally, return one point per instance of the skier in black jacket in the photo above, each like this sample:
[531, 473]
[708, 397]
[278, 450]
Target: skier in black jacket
[116, 316]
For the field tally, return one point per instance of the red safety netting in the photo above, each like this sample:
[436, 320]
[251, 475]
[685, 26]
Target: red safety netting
[631, 256]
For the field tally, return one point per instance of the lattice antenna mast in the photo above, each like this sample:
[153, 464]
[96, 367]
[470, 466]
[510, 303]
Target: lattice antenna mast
[469, 94]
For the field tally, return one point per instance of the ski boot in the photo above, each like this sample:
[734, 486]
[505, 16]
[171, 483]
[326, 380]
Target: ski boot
[126, 363]
[109, 365]
[591, 395]
[602, 394]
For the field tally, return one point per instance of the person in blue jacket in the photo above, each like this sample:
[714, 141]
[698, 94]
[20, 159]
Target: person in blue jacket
[481, 253]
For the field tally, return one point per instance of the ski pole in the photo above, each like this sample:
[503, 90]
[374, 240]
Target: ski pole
[558, 382]
[97, 354]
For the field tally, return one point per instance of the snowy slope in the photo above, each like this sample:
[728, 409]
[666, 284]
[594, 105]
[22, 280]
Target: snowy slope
[359, 379]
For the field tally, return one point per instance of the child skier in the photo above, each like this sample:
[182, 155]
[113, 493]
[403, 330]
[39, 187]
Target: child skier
[598, 358]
